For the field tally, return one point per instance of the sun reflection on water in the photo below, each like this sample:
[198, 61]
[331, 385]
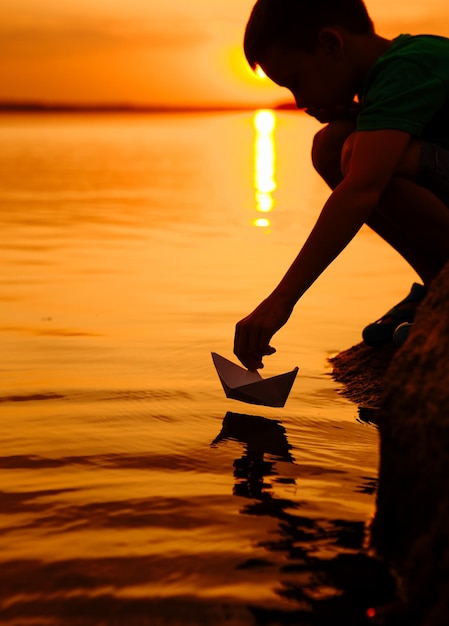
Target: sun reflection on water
[264, 164]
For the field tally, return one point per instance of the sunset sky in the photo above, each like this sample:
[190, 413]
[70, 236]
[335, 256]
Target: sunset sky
[153, 51]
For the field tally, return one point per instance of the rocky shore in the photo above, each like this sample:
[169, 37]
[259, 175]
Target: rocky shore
[362, 370]
[410, 388]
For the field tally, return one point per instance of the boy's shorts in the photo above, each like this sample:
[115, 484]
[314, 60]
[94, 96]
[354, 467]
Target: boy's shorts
[434, 172]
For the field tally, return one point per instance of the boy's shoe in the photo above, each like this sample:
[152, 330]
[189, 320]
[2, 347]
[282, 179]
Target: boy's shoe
[381, 332]
[401, 333]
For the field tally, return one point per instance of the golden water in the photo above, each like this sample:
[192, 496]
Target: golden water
[133, 491]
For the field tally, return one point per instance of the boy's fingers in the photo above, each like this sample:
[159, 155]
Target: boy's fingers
[250, 347]
[253, 354]
[241, 347]
[259, 347]
[254, 361]
[240, 342]
[252, 343]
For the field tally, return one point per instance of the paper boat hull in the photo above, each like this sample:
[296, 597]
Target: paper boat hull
[272, 391]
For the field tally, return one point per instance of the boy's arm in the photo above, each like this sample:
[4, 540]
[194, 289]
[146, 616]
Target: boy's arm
[374, 160]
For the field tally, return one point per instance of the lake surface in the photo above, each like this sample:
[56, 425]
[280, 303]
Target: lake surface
[133, 491]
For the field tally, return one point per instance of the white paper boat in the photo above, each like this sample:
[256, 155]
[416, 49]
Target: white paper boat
[241, 384]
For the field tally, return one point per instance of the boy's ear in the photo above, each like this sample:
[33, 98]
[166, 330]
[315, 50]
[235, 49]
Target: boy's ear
[331, 41]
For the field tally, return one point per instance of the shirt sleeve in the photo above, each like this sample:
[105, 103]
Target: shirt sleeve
[403, 96]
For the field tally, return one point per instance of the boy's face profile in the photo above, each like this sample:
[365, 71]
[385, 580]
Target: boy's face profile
[319, 80]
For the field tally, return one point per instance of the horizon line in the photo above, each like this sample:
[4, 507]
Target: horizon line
[36, 106]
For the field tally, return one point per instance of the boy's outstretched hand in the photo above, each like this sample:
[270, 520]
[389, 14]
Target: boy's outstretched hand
[254, 332]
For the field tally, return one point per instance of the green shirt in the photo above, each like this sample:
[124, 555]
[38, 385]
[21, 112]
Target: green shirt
[408, 89]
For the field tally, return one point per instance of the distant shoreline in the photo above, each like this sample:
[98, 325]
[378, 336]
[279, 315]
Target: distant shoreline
[67, 107]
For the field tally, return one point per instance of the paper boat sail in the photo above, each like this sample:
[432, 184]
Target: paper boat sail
[241, 384]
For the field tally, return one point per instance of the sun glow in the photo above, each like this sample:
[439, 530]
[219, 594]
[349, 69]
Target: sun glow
[259, 72]
[234, 64]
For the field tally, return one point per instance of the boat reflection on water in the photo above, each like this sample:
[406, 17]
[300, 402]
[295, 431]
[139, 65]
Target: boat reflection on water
[259, 434]
[324, 568]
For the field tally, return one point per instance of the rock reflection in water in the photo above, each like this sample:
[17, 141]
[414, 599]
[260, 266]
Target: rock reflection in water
[342, 589]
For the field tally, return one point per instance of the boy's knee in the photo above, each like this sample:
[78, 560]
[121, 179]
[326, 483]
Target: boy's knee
[319, 149]
[327, 150]
[408, 167]
[346, 153]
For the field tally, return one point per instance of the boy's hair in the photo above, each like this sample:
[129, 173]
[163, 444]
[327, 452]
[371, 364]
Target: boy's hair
[296, 23]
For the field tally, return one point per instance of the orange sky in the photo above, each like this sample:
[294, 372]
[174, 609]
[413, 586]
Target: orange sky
[152, 51]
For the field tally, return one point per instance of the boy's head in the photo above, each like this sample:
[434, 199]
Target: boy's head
[295, 24]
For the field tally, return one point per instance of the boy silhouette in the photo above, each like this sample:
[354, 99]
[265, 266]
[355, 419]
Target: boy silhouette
[384, 149]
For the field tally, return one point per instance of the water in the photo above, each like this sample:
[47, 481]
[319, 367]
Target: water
[133, 491]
